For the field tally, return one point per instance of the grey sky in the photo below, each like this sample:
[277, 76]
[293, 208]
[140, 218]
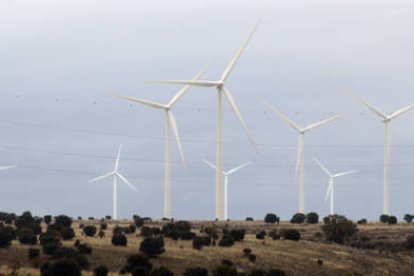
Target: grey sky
[59, 59]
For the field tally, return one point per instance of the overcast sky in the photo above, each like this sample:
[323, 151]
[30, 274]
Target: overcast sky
[60, 59]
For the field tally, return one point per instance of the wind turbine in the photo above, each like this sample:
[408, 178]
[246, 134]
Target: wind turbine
[221, 89]
[300, 154]
[170, 124]
[330, 191]
[226, 175]
[115, 174]
[386, 119]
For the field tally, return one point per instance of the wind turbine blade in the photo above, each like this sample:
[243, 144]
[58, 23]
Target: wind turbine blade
[237, 168]
[345, 173]
[401, 111]
[239, 116]
[372, 108]
[239, 52]
[141, 101]
[323, 167]
[201, 83]
[126, 182]
[283, 116]
[315, 125]
[209, 164]
[174, 128]
[185, 88]
[118, 157]
[8, 167]
[328, 191]
[101, 177]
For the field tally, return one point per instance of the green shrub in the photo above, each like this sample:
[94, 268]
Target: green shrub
[237, 234]
[362, 221]
[70, 253]
[384, 218]
[271, 218]
[226, 240]
[64, 266]
[26, 236]
[274, 234]
[312, 218]
[200, 241]
[408, 218]
[90, 230]
[152, 246]
[337, 228]
[138, 261]
[67, 233]
[291, 234]
[298, 218]
[392, 220]
[119, 240]
[261, 235]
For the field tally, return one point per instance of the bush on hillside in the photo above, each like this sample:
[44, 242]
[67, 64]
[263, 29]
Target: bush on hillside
[291, 234]
[90, 230]
[408, 218]
[119, 240]
[64, 266]
[312, 218]
[197, 271]
[152, 246]
[338, 228]
[298, 218]
[271, 218]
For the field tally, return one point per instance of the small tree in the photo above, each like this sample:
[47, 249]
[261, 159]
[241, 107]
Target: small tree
[298, 218]
[27, 236]
[226, 240]
[384, 218]
[312, 218]
[67, 233]
[152, 246]
[337, 228]
[291, 234]
[261, 235]
[63, 266]
[119, 240]
[89, 230]
[237, 234]
[408, 218]
[392, 220]
[271, 218]
[138, 261]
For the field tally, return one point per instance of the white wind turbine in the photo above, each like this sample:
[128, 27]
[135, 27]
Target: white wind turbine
[330, 190]
[300, 153]
[221, 89]
[170, 124]
[4, 168]
[226, 175]
[115, 174]
[386, 119]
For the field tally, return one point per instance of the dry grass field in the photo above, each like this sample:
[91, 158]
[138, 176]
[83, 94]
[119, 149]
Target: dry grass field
[381, 255]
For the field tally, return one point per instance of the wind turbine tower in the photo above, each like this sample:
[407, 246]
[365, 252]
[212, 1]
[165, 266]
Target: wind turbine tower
[300, 151]
[170, 125]
[330, 190]
[386, 119]
[226, 182]
[115, 174]
[222, 90]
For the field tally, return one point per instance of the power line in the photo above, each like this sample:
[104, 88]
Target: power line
[192, 140]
